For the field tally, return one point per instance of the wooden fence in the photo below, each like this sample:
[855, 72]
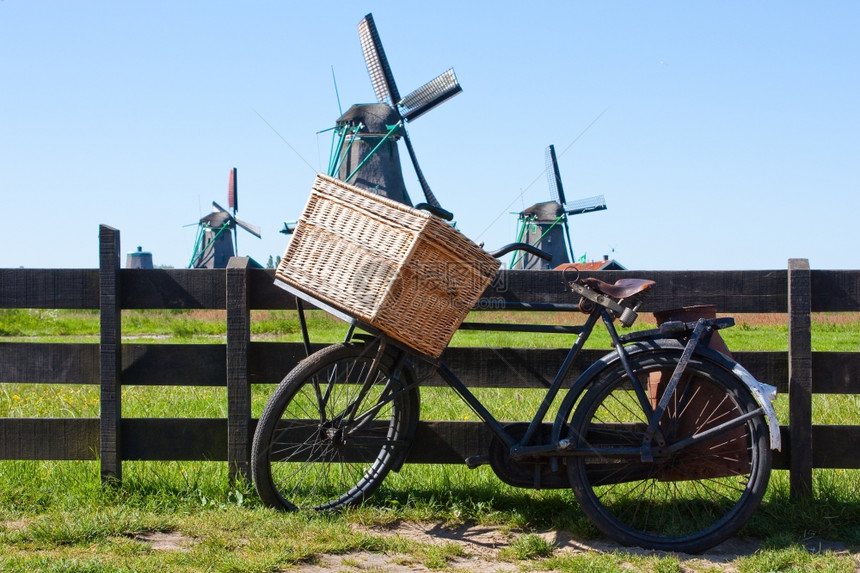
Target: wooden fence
[112, 364]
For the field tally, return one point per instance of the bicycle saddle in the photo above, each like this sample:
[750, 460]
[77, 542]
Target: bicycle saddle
[622, 288]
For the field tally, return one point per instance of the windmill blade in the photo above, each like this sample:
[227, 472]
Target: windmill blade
[586, 205]
[557, 193]
[553, 176]
[253, 229]
[428, 194]
[429, 95]
[377, 64]
[232, 191]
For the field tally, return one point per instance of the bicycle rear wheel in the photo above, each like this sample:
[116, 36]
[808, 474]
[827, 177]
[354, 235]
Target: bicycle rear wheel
[691, 495]
[333, 430]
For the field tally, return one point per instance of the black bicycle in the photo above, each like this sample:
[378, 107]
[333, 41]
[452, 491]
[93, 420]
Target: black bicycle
[665, 442]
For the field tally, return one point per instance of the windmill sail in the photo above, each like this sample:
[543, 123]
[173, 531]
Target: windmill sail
[377, 64]
[556, 190]
[253, 229]
[430, 95]
[585, 205]
[233, 190]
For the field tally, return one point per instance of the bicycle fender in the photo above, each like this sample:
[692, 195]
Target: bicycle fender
[762, 393]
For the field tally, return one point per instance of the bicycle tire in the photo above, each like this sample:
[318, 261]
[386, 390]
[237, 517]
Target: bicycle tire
[308, 453]
[686, 501]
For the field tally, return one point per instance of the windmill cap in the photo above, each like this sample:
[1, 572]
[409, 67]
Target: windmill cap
[139, 253]
[546, 211]
[376, 117]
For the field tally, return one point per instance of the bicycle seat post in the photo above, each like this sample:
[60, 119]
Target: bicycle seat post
[626, 315]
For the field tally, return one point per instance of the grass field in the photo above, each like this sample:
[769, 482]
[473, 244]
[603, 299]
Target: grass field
[55, 516]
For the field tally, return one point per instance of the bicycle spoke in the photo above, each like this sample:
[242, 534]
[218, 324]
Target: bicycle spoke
[332, 430]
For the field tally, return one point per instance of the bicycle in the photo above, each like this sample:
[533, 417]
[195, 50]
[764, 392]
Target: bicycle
[665, 443]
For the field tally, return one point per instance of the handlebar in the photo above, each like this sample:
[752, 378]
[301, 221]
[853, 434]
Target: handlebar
[531, 249]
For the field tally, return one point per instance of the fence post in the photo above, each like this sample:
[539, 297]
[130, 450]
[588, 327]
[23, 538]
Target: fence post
[800, 376]
[110, 355]
[238, 384]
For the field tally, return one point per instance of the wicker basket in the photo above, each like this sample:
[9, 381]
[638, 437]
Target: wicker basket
[401, 270]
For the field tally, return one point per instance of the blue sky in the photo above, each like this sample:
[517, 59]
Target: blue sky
[729, 136]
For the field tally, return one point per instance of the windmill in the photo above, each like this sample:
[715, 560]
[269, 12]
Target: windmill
[365, 153]
[545, 225]
[217, 236]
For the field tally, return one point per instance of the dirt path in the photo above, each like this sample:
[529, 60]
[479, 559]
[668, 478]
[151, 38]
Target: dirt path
[481, 546]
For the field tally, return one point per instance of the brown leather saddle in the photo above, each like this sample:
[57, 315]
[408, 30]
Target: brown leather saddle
[623, 288]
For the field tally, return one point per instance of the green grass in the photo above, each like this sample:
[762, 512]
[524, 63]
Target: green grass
[528, 546]
[832, 332]
[56, 516]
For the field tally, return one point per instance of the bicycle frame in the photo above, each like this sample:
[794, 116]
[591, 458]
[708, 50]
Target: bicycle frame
[520, 448]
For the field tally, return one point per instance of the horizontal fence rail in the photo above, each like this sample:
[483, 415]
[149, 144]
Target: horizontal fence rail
[241, 362]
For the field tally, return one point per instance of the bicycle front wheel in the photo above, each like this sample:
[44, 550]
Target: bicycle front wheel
[700, 486]
[333, 429]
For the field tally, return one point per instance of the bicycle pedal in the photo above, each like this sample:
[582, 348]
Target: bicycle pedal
[473, 462]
